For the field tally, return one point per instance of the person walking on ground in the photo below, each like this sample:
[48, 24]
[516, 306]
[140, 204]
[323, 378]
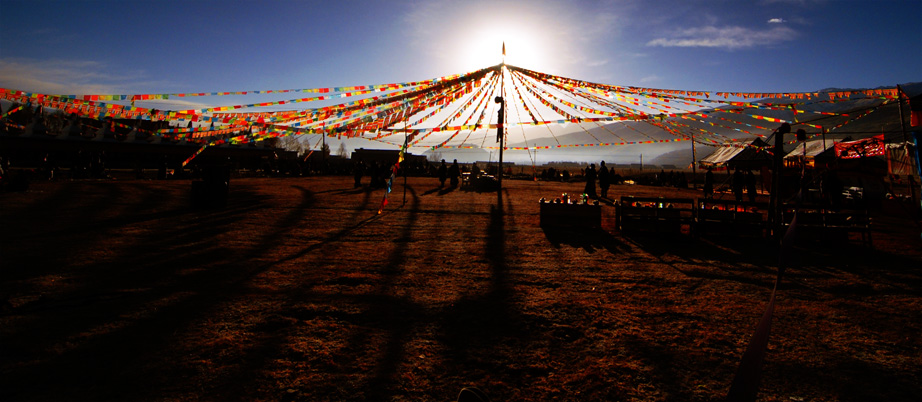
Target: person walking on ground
[738, 183]
[443, 173]
[358, 170]
[709, 184]
[751, 186]
[590, 181]
[454, 172]
[604, 179]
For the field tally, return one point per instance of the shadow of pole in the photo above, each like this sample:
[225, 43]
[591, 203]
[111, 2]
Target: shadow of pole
[398, 316]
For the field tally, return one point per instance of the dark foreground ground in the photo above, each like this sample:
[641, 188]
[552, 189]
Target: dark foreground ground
[298, 291]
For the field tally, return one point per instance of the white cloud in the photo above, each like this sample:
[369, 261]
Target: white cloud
[725, 37]
[650, 78]
[70, 77]
[55, 76]
[597, 63]
[79, 77]
[776, 21]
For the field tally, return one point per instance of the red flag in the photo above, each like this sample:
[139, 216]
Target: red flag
[915, 111]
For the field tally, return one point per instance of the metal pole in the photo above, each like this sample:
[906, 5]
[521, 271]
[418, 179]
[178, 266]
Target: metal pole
[406, 141]
[775, 206]
[404, 168]
[500, 131]
[694, 163]
[899, 94]
[823, 130]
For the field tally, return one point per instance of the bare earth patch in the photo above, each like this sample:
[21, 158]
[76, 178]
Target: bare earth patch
[298, 290]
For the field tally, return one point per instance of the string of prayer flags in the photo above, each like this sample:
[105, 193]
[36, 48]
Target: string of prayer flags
[390, 180]
[408, 107]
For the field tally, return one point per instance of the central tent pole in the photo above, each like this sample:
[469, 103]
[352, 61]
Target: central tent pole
[499, 138]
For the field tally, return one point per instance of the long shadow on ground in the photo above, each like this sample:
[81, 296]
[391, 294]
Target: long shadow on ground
[129, 308]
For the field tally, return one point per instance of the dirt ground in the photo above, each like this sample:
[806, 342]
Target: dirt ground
[298, 291]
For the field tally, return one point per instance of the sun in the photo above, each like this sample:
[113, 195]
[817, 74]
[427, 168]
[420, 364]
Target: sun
[484, 45]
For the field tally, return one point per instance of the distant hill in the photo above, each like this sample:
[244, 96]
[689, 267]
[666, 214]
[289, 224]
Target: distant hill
[912, 88]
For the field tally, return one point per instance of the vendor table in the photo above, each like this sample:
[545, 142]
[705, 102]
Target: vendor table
[570, 215]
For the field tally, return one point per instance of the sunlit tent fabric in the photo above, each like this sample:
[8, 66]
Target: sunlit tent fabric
[818, 151]
[751, 156]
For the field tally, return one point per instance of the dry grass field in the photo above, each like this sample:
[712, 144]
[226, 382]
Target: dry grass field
[299, 291]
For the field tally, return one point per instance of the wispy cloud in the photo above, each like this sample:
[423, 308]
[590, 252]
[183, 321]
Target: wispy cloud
[81, 77]
[55, 76]
[597, 63]
[67, 77]
[776, 21]
[731, 37]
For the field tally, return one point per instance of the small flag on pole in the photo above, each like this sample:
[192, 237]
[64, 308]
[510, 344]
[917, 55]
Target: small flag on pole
[504, 48]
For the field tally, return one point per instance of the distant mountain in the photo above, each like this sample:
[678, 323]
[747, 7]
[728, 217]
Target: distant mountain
[911, 88]
[681, 158]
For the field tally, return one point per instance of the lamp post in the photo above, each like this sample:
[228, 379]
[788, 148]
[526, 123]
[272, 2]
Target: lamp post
[500, 138]
[775, 206]
[694, 163]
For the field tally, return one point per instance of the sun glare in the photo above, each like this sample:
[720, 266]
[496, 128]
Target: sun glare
[522, 44]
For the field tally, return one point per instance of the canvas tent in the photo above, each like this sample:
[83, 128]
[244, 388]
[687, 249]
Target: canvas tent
[751, 156]
[818, 153]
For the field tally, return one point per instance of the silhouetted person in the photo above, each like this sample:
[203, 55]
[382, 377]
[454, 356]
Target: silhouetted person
[358, 170]
[709, 184]
[751, 186]
[443, 173]
[604, 179]
[454, 172]
[374, 174]
[383, 173]
[738, 183]
[590, 182]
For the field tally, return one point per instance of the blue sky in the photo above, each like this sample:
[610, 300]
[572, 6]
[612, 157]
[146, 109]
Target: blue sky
[202, 46]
